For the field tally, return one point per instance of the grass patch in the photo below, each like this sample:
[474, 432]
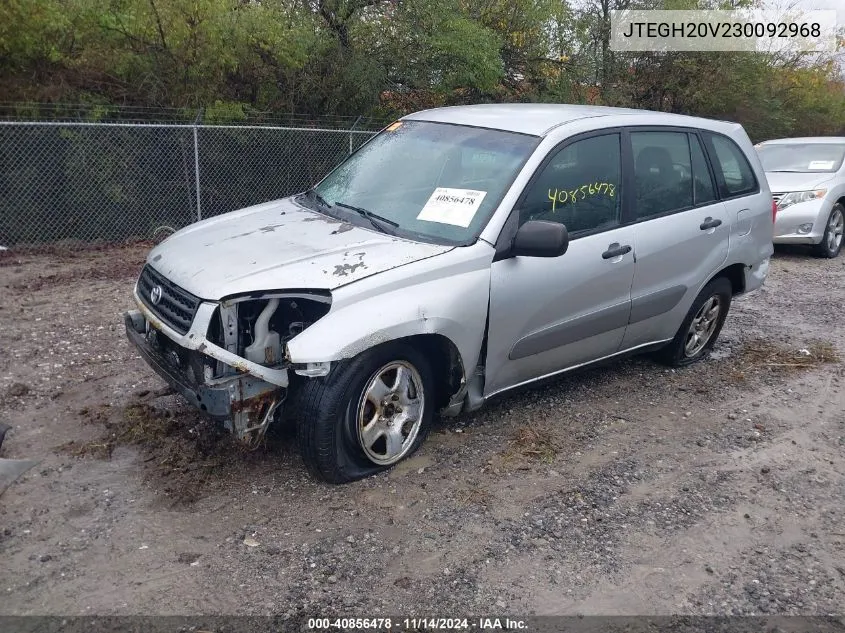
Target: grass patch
[96, 450]
[144, 424]
[475, 496]
[533, 442]
[761, 353]
[182, 454]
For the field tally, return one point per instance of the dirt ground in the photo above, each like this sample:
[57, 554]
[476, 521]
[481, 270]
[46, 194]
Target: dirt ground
[630, 489]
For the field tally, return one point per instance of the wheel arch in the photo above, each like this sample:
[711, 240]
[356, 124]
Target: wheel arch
[735, 273]
[447, 365]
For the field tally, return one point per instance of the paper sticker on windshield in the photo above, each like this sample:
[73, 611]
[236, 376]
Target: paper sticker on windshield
[821, 164]
[452, 206]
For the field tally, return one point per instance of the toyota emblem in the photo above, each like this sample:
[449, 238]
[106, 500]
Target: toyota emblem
[155, 295]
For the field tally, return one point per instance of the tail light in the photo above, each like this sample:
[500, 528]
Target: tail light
[774, 211]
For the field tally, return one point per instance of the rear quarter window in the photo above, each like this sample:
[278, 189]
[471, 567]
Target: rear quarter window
[733, 171]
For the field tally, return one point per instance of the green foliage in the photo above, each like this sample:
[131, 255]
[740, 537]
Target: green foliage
[430, 46]
[360, 57]
[32, 31]
[225, 112]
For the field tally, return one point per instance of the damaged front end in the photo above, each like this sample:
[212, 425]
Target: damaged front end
[225, 357]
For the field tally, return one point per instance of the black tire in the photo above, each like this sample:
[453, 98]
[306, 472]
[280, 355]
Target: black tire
[824, 248]
[674, 353]
[327, 410]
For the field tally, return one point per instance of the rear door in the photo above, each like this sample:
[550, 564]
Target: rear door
[746, 196]
[682, 231]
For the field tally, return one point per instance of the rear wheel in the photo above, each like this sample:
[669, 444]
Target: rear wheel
[831, 242]
[367, 415]
[701, 327]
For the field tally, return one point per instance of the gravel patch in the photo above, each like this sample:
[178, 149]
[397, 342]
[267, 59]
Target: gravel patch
[627, 489]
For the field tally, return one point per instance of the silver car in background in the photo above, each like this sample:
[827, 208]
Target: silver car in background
[807, 178]
[460, 253]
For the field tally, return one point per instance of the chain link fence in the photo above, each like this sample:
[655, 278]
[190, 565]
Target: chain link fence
[83, 182]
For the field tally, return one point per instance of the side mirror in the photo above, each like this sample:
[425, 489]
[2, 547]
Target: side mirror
[539, 238]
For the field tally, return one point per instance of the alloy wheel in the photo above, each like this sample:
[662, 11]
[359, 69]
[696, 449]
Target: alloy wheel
[390, 412]
[702, 326]
[835, 228]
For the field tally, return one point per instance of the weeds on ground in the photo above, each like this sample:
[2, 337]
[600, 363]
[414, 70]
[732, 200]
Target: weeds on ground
[475, 496]
[762, 353]
[181, 452]
[532, 442]
[96, 450]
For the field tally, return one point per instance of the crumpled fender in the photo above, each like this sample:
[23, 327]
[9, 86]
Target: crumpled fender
[447, 294]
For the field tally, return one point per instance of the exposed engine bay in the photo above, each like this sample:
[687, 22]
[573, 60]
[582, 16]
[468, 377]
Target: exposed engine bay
[205, 361]
[258, 329]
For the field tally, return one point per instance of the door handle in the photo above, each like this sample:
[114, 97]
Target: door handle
[615, 250]
[709, 223]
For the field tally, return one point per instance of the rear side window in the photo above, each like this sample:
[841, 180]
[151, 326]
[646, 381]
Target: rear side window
[736, 178]
[662, 172]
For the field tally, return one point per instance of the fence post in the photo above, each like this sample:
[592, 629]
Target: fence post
[197, 163]
[352, 129]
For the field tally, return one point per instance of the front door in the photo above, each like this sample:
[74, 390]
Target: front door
[549, 314]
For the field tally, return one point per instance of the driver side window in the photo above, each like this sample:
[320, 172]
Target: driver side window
[579, 187]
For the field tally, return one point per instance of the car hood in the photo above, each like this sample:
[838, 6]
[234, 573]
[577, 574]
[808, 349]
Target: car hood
[784, 182]
[278, 245]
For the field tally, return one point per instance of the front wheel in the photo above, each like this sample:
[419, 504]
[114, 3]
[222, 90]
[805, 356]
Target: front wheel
[831, 242]
[368, 414]
[701, 326]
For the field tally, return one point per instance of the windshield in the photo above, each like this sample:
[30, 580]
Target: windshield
[809, 158]
[431, 181]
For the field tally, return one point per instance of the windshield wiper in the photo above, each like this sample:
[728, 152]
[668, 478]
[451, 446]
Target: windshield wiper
[376, 220]
[313, 192]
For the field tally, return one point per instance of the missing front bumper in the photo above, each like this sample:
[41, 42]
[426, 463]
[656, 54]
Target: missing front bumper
[246, 405]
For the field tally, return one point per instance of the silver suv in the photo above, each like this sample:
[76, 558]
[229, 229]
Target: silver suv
[460, 253]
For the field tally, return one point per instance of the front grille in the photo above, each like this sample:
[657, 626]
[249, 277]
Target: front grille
[777, 196]
[176, 308]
